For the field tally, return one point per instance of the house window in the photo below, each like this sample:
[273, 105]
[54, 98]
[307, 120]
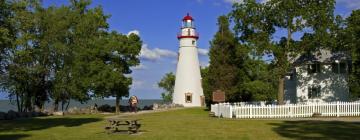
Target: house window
[314, 92]
[188, 97]
[338, 67]
[314, 68]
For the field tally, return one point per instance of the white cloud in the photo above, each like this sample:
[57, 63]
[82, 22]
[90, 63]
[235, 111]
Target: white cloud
[137, 32]
[137, 84]
[139, 67]
[204, 64]
[155, 86]
[155, 54]
[264, 1]
[352, 4]
[203, 51]
[234, 1]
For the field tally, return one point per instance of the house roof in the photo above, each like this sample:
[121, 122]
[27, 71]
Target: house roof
[322, 56]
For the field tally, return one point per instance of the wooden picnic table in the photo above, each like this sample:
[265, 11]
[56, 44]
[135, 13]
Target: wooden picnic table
[123, 124]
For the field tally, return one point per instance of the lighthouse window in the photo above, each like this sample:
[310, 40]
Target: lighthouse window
[188, 97]
[193, 42]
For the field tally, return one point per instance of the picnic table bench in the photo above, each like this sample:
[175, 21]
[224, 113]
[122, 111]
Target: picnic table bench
[122, 124]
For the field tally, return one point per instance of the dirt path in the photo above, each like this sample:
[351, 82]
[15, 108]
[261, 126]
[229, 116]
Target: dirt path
[126, 114]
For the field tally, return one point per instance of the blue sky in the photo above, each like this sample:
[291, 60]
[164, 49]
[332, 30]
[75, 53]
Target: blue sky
[158, 21]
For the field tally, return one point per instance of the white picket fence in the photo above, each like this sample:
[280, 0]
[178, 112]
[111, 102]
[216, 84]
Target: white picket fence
[236, 110]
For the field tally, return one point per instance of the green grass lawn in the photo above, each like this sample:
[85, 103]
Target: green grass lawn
[182, 124]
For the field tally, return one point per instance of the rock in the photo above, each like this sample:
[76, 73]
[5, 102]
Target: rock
[155, 106]
[106, 108]
[73, 110]
[148, 107]
[165, 106]
[2, 115]
[58, 113]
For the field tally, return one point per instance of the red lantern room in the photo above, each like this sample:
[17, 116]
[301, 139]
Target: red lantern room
[188, 28]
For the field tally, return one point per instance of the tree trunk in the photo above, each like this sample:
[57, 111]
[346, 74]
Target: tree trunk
[56, 105]
[281, 85]
[18, 103]
[22, 103]
[281, 91]
[62, 105]
[117, 104]
[67, 106]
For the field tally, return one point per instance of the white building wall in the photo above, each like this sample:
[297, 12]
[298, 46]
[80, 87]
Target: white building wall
[188, 78]
[334, 87]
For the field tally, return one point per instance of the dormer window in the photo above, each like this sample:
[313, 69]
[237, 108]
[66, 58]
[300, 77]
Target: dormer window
[314, 68]
[338, 68]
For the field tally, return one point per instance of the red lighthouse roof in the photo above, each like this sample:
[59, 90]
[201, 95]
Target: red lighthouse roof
[187, 17]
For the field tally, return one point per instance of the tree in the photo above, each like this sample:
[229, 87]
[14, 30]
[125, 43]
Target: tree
[256, 23]
[167, 83]
[223, 70]
[206, 85]
[112, 64]
[63, 53]
[7, 34]
[352, 34]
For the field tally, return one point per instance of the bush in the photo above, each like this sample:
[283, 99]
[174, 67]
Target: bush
[2, 115]
[12, 115]
[106, 108]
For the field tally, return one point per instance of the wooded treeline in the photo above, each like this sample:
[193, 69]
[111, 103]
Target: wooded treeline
[63, 52]
[253, 31]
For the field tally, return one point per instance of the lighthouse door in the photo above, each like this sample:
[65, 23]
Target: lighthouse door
[188, 97]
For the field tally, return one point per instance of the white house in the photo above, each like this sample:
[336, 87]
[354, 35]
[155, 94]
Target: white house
[318, 77]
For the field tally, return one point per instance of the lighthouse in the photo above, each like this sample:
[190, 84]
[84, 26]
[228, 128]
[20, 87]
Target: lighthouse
[188, 90]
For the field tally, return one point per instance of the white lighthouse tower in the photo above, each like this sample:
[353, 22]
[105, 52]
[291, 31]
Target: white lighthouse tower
[188, 90]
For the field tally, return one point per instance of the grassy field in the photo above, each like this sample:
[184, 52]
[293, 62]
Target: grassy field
[180, 124]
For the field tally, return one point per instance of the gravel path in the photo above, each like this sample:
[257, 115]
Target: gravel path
[126, 114]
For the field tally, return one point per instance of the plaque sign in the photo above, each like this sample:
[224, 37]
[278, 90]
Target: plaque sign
[218, 96]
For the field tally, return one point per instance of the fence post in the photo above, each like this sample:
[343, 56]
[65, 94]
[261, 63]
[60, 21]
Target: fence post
[291, 111]
[231, 112]
[337, 109]
[251, 111]
[218, 109]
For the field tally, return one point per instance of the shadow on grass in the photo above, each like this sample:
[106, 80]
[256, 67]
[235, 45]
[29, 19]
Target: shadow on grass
[23, 125]
[332, 130]
[12, 136]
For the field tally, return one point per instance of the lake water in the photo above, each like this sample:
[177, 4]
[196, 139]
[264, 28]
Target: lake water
[6, 105]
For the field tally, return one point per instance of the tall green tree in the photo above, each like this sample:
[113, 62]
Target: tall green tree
[117, 54]
[63, 53]
[256, 24]
[352, 34]
[167, 83]
[223, 70]
[7, 34]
